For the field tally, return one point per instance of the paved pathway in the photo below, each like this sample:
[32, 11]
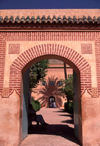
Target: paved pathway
[59, 132]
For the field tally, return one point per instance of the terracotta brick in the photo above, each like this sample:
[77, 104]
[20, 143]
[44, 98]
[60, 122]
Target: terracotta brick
[58, 44]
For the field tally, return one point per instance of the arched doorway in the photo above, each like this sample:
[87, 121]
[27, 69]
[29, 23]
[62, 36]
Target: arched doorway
[52, 103]
[25, 40]
[67, 55]
[77, 128]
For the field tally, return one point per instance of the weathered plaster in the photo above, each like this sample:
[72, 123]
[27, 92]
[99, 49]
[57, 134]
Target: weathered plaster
[10, 115]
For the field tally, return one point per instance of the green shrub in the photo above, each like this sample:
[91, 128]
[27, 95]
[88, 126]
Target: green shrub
[67, 88]
[36, 105]
[68, 106]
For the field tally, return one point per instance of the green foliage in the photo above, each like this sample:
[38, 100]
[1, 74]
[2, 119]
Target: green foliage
[68, 106]
[67, 88]
[36, 105]
[37, 73]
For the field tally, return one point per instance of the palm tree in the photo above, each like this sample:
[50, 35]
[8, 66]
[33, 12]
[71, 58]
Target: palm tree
[53, 90]
[65, 71]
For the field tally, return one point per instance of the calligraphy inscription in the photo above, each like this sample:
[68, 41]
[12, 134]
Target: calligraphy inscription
[14, 49]
[86, 48]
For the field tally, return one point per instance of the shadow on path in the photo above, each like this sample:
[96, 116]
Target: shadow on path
[59, 130]
[62, 125]
[71, 121]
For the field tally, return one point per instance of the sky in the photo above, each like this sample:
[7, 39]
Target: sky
[49, 4]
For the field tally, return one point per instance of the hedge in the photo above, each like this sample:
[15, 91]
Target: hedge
[36, 105]
[68, 106]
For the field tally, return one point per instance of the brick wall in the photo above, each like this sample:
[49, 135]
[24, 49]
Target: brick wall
[50, 35]
[2, 61]
[59, 50]
[54, 49]
[97, 55]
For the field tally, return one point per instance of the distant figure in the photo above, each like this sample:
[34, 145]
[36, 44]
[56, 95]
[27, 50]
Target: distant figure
[54, 104]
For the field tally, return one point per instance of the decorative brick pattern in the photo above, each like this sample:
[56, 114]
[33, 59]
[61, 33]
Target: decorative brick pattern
[86, 79]
[52, 49]
[2, 61]
[94, 92]
[97, 55]
[86, 48]
[14, 49]
[50, 36]
[15, 79]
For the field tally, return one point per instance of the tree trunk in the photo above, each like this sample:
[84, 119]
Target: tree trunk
[65, 72]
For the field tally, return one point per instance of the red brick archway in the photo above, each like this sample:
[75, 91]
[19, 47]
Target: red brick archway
[28, 29]
[74, 59]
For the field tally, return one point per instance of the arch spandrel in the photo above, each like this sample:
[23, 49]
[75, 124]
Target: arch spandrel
[73, 57]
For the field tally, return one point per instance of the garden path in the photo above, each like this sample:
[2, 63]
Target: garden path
[59, 132]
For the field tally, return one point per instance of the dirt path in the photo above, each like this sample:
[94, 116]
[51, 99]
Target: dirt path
[59, 132]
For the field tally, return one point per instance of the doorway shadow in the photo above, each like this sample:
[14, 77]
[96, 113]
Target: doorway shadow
[59, 130]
